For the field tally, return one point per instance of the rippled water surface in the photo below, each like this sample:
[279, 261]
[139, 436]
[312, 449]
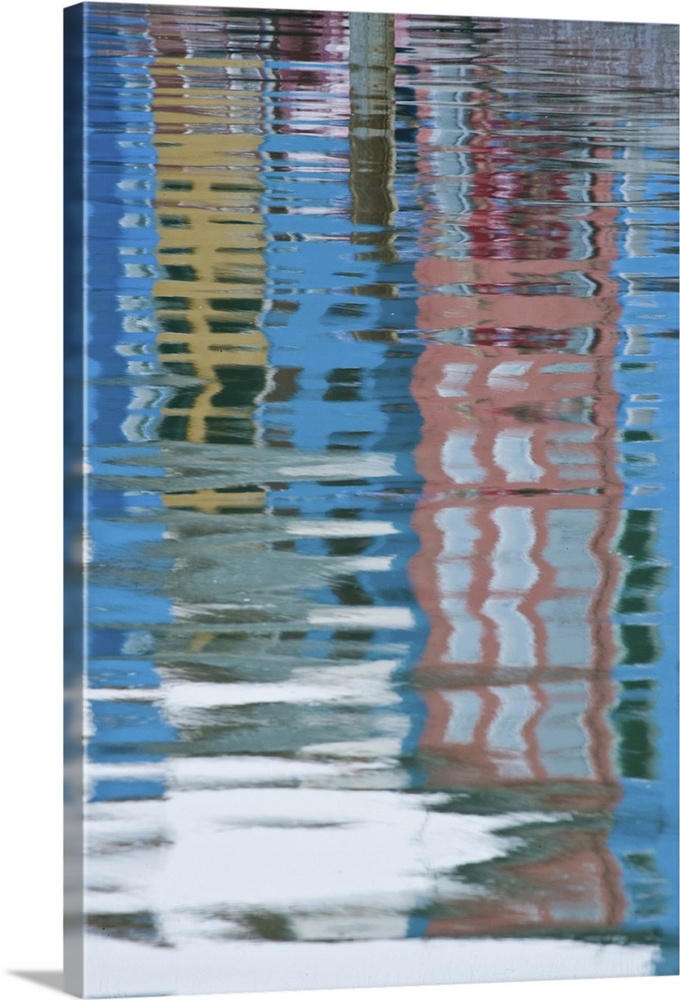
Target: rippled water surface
[382, 602]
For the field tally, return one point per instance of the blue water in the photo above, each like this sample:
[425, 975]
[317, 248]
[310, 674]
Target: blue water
[381, 405]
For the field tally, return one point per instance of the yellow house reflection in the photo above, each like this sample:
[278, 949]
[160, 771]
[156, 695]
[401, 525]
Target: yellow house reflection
[208, 114]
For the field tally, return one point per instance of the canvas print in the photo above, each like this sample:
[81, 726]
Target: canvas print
[371, 384]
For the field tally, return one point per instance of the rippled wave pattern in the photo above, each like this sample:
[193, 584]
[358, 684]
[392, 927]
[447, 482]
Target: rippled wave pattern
[381, 523]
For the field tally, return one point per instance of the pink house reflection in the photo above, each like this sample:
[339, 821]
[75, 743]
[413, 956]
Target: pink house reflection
[516, 569]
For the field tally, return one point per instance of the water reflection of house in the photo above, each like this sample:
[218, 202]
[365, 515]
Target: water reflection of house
[520, 406]
[527, 434]
[215, 357]
[575, 885]
[341, 381]
[518, 438]
[516, 569]
[207, 112]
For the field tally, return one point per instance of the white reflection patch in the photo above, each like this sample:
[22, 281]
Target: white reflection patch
[513, 568]
[375, 617]
[515, 633]
[512, 454]
[458, 459]
[341, 529]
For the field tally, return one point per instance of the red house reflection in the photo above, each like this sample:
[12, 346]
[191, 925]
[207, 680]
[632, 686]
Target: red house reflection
[516, 570]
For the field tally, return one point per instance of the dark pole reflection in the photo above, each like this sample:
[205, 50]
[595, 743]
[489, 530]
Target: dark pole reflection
[371, 128]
